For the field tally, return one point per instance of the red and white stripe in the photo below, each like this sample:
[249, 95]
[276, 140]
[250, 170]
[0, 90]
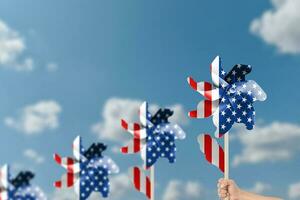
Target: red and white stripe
[213, 152]
[72, 167]
[204, 109]
[136, 143]
[204, 88]
[4, 183]
[141, 182]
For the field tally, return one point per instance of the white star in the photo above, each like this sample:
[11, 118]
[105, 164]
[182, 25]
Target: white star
[233, 99]
[228, 120]
[234, 72]
[239, 120]
[239, 106]
[228, 106]
[223, 126]
[223, 99]
[244, 113]
[233, 113]
[249, 119]
[223, 72]
[259, 92]
[223, 113]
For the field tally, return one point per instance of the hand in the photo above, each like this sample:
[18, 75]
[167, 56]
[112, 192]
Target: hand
[228, 190]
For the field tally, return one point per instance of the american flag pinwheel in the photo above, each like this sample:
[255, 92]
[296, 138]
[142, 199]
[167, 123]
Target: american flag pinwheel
[18, 188]
[88, 171]
[229, 99]
[154, 136]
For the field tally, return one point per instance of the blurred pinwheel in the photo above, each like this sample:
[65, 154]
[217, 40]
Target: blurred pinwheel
[88, 171]
[229, 99]
[154, 136]
[18, 188]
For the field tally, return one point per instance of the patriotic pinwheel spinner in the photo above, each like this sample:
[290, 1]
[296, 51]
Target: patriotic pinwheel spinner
[18, 188]
[154, 136]
[229, 99]
[88, 171]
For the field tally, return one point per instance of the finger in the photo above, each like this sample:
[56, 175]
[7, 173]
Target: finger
[225, 182]
[223, 195]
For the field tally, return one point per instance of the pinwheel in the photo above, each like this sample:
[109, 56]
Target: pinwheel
[88, 171]
[229, 100]
[18, 188]
[154, 137]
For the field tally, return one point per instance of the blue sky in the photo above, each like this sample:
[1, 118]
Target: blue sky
[144, 50]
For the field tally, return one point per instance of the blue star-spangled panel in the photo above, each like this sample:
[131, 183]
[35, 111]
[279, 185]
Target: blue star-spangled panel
[236, 103]
[28, 193]
[94, 179]
[95, 171]
[160, 141]
[160, 145]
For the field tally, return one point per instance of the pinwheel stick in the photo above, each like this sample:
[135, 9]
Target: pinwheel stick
[152, 176]
[226, 147]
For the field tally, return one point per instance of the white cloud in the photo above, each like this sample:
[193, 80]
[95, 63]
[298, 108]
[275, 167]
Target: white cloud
[52, 67]
[33, 155]
[273, 142]
[116, 109]
[36, 118]
[279, 26]
[178, 190]
[12, 47]
[294, 191]
[260, 188]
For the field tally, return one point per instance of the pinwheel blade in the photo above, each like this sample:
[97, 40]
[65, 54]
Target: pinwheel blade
[213, 152]
[135, 129]
[107, 163]
[217, 73]
[252, 89]
[4, 175]
[204, 88]
[144, 115]
[238, 73]
[173, 129]
[141, 182]
[204, 109]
